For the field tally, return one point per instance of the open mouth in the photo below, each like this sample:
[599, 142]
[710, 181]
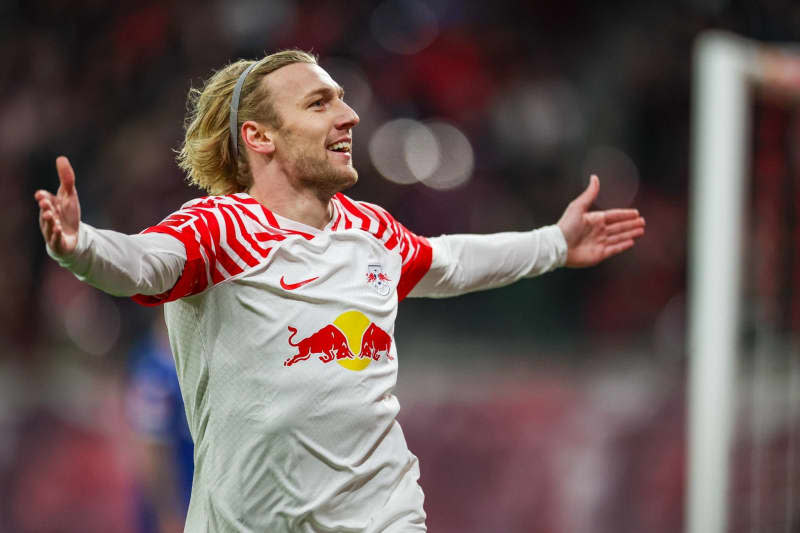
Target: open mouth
[341, 147]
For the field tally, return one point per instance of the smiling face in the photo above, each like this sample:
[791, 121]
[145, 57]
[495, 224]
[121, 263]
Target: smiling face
[314, 141]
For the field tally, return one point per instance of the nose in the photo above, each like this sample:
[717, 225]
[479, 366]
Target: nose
[348, 117]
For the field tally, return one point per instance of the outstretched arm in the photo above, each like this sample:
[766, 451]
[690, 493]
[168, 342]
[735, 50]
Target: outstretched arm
[593, 236]
[119, 264]
[466, 263]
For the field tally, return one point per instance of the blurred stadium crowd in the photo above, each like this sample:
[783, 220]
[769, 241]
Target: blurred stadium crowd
[555, 405]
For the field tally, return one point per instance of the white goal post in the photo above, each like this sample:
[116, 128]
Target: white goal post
[726, 68]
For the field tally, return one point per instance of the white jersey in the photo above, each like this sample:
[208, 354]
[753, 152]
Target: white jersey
[283, 337]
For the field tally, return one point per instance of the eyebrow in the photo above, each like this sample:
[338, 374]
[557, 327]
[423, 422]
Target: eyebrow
[325, 91]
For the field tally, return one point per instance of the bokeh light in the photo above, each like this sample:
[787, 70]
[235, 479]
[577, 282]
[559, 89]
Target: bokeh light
[387, 150]
[455, 155]
[422, 151]
[437, 153]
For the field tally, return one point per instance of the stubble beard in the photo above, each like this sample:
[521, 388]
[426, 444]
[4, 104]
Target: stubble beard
[317, 172]
[320, 174]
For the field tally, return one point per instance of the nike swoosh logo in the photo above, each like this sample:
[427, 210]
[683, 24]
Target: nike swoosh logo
[293, 286]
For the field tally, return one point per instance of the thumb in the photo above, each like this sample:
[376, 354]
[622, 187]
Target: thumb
[587, 197]
[65, 174]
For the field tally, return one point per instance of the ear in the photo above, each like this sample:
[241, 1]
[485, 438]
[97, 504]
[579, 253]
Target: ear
[257, 137]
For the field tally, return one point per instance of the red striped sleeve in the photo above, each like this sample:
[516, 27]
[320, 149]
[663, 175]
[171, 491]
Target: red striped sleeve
[415, 251]
[233, 239]
[221, 236]
[416, 262]
[193, 279]
[247, 235]
[218, 238]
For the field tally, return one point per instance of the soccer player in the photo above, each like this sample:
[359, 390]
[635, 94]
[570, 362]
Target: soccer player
[280, 298]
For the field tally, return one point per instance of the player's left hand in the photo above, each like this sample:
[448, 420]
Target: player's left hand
[597, 235]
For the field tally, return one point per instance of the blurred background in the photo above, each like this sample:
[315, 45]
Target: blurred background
[553, 405]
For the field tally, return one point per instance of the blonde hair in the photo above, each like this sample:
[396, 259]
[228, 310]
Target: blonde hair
[206, 154]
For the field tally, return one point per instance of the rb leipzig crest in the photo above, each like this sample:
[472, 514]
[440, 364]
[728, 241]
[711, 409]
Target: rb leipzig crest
[378, 280]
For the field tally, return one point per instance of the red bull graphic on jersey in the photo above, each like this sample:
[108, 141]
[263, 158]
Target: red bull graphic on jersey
[378, 280]
[353, 341]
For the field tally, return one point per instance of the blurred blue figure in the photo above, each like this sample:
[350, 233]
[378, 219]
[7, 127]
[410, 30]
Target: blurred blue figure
[164, 447]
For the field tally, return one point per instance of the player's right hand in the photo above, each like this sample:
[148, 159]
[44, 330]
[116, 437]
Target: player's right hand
[60, 213]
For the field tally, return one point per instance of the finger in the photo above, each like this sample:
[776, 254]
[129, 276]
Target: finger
[617, 248]
[587, 197]
[626, 225]
[47, 210]
[46, 206]
[65, 174]
[41, 194]
[625, 236]
[47, 202]
[618, 215]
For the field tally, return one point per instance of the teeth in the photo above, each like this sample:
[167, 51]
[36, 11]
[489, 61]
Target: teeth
[342, 146]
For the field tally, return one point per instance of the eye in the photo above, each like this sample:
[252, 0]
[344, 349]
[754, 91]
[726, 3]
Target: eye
[318, 103]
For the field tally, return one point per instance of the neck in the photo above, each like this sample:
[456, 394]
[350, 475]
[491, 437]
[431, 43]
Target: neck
[303, 205]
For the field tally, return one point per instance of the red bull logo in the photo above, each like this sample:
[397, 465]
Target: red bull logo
[353, 341]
